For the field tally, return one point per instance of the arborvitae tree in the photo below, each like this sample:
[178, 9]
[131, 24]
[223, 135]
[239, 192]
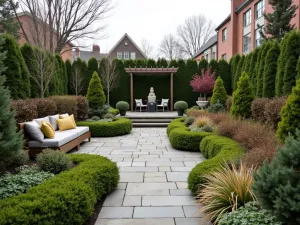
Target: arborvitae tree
[260, 72]
[298, 68]
[158, 63]
[219, 92]
[17, 75]
[269, 75]
[69, 72]
[252, 71]
[151, 63]
[8, 23]
[164, 63]
[129, 63]
[92, 66]
[173, 63]
[29, 57]
[224, 71]
[203, 64]
[278, 22]
[291, 53]
[213, 64]
[276, 184]
[280, 67]
[239, 71]
[141, 63]
[242, 98]
[247, 64]
[234, 66]
[191, 70]
[64, 75]
[95, 94]
[290, 120]
[59, 75]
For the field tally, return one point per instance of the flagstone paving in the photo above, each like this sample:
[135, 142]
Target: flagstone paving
[153, 180]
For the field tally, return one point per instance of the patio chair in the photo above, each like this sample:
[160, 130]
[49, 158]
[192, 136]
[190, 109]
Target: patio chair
[139, 104]
[164, 104]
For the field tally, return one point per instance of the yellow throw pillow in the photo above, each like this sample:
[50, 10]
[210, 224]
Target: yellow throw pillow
[47, 129]
[64, 117]
[65, 124]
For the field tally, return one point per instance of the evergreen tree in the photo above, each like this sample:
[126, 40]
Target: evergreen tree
[203, 64]
[291, 54]
[239, 71]
[290, 120]
[64, 75]
[269, 75]
[234, 65]
[242, 98]
[260, 72]
[164, 63]
[252, 70]
[247, 64]
[158, 63]
[224, 71]
[69, 72]
[173, 63]
[278, 22]
[151, 63]
[276, 184]
[59, 75]
[298, 69]
[213, 64]
[95, 94]
[7, 22]
[219, 93]
[130, 63]
[280, 67]
[140, 63]
[92, 66]
[29, 57]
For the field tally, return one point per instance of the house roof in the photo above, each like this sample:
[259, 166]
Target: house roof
[213, 40]
[122, 38]
[228, 18]
[238, 9]
[86, 55]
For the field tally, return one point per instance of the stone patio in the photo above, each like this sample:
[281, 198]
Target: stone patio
[153, 184]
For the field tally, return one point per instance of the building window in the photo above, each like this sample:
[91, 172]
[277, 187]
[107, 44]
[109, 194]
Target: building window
[119, 55]
[258, 37]
[259, 9]
[126, 55]
[132, 55]
[224, 56]
[206, 57]
[247, 18]
[213, 55]
[247, 43]
[224, 34]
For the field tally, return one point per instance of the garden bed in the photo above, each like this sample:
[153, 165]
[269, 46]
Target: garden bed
[117, 127]
[67, 198]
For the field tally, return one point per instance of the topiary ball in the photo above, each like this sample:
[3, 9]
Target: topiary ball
[180, 105]
[122, 106]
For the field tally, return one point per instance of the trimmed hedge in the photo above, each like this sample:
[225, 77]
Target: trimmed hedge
[218, 150]
[114, 111]
[67, 198]
[117, 127]
[176, 123]
[184, 139]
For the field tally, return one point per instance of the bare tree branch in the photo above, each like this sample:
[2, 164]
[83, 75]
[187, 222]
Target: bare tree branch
[54, 23]
[193, 33]
[147, 48]
[169, 47]
[77, 81]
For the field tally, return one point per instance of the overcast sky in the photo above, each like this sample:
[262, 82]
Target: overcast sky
[152, 19]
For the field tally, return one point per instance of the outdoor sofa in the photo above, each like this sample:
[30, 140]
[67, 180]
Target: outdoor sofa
[64, 141]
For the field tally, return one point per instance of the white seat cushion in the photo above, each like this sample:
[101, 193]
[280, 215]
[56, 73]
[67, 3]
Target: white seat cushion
[80, 130]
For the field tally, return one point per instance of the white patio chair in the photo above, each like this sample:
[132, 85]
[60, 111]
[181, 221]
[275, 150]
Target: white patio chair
[139, 104]
[164, 104]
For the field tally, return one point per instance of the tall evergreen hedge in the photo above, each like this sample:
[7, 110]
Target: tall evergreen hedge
[95, 94]
[69, 73]
[92, 66]
[224, 72]
[203, 64]
[252, 70]
[239, 71]
[234, 62]
[247, 63]
[269, 75]
[214, 66]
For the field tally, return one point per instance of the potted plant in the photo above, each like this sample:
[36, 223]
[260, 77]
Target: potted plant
[122, 107]
[180, 106]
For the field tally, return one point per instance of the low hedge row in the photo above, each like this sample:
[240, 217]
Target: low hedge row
[117, 127]
[114, 111]
[67, 198]
[176, 123]
[184, 139]
[217, 150]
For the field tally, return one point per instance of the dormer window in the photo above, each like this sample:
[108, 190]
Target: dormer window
[126, 43]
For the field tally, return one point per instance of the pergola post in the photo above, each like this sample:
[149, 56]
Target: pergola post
[131, 92]
[171, 88]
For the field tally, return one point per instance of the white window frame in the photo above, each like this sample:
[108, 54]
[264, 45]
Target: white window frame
[133, 55]
[224, 56]
[120, 55]
[259, 9]
[247, 18]
[258, 38]
[247, 43]
[224, 34]
[126, 55]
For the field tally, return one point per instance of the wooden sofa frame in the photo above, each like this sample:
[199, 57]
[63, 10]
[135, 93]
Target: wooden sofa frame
[64, 148]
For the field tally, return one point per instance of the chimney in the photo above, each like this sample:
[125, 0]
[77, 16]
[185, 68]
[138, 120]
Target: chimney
[96, 51]
[77, 52]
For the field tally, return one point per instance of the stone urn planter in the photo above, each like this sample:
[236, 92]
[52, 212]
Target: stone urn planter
[122, 112]
[202, 104]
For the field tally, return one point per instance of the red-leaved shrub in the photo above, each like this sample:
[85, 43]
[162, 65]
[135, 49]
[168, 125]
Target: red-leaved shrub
[45, 106]
[258, 109]
[66, 104]
[82, 107]
[26, 110]
[272, 111]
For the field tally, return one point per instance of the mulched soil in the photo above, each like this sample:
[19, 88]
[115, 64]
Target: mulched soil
[97, 209]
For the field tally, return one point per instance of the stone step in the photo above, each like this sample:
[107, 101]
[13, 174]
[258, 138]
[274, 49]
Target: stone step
[152, 120]
[150, 124]
[151, 117]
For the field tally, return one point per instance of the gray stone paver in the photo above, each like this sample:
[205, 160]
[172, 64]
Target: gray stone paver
[153, 180]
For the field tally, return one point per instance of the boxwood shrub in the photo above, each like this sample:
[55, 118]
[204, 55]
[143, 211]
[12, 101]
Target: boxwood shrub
[217, 150]
[176, 123]
[119, 126]
[67, 198]
[184, 139]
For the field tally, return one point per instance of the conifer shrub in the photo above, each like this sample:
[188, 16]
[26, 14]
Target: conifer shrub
[242, 98]
[219, 92]
[203, 64]
[224, 73]
[92, 66]
[234, 61]
[214, 66]
[276, 184]
[239, 71]
[189, 121]
[252, 71]
[270, 69]
[290, 115]
[95, 94]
